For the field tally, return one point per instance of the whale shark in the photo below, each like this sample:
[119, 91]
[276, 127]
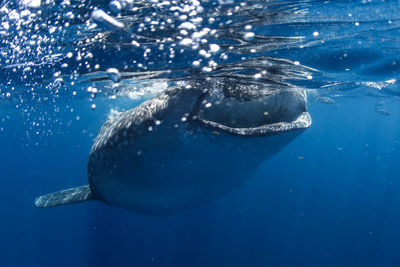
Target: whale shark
[187, 146]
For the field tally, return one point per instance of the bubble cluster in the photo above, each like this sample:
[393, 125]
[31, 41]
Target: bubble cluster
[54, 52]
[78, 37]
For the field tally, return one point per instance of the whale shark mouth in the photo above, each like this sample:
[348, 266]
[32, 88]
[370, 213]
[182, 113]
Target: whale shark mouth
[274, 113]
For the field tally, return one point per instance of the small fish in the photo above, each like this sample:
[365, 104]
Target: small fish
[114, 74]
[104, 20]
[326, 100]
[384, 112]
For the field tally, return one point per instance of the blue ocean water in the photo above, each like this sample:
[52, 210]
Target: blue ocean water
[329, 198]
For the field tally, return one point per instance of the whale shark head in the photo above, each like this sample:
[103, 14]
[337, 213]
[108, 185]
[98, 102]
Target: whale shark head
[254, 109]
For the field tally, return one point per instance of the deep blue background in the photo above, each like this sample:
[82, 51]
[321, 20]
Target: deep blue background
[330, 198]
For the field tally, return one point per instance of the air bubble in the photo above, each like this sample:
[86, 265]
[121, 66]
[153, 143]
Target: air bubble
[214, 48]
[186, 41]
[30, 3]
[249, 36]
[187, 26]
[114, 74]
[196, 63]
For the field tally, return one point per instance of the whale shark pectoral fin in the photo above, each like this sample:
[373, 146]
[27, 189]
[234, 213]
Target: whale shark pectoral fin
[63, 197]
